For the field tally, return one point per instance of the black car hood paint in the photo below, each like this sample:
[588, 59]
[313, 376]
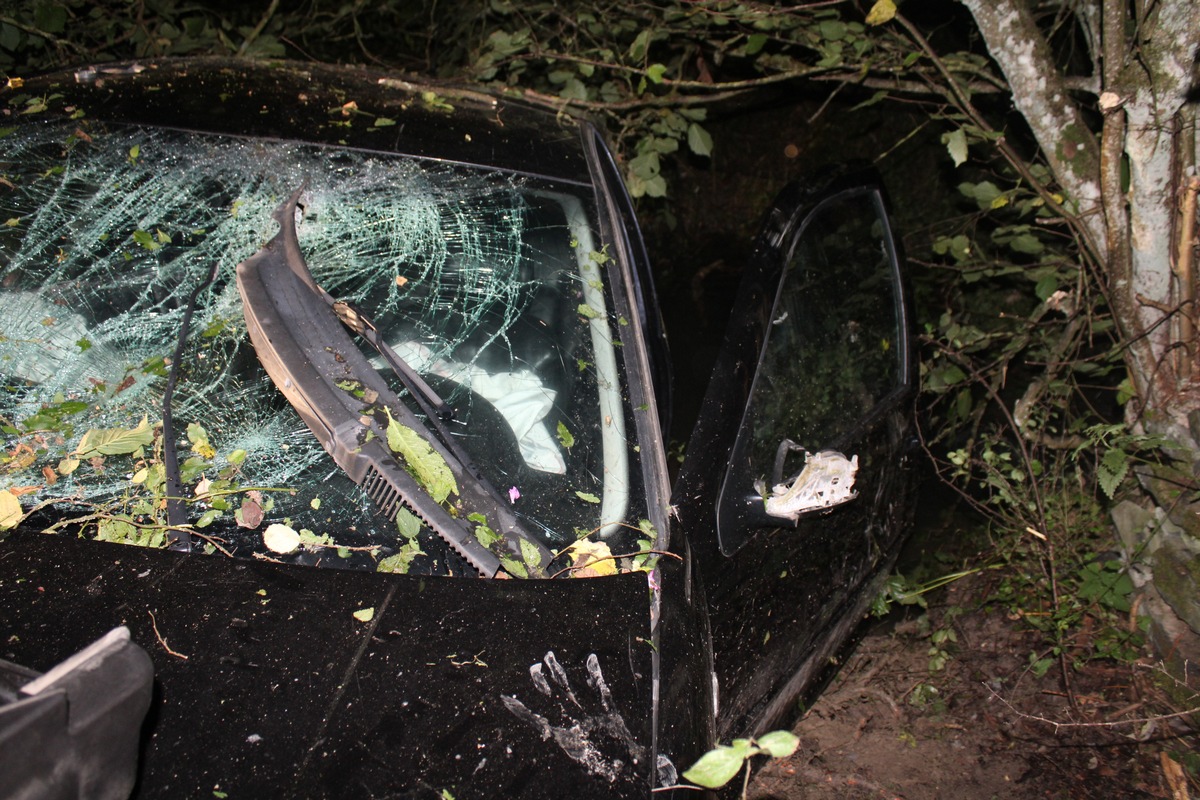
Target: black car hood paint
[268, 685]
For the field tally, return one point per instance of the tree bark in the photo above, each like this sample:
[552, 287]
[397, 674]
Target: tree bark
[1127, 190]
[1153, 85]
[1040, 95]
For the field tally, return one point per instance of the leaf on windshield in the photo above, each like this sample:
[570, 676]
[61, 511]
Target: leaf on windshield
[250, 515]
[591, 559]
[587, 497]
[407, 523]
[199, 439]
[425, 463]
[399, 563]
[531, 556]
[564, 436]
[115, 441]
[10, 510]
[280, 538]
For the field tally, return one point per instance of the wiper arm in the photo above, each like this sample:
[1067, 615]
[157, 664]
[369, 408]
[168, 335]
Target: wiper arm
[298, 334]
[429, 400]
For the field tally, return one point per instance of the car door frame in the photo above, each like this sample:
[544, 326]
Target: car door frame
[745, 594]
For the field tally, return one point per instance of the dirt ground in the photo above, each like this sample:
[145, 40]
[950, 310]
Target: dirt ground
[982, 726]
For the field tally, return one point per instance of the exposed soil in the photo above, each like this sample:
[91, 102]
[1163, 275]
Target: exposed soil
[980, 727]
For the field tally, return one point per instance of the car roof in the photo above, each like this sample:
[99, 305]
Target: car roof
[324, 104]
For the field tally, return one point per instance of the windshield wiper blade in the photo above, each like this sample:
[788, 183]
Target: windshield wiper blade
[302, 343]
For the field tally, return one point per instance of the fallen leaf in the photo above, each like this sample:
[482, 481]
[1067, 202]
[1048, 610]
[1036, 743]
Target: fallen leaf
[115, 441]
[10, 510]
[591, 559]
[250, 515]
[280, 538]
[365, 614]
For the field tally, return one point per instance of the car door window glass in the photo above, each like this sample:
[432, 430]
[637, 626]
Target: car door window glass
[833, 351]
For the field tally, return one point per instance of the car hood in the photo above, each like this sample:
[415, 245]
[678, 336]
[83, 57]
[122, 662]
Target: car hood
[273, 680]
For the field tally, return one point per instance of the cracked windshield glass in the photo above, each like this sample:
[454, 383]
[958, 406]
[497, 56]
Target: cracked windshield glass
[492, 287]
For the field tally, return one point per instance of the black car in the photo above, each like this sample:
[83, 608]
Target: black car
[376, 374]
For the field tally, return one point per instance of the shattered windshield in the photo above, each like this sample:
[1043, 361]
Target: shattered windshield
[492, 287]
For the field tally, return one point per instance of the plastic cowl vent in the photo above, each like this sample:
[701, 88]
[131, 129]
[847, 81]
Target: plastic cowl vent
[73, 732]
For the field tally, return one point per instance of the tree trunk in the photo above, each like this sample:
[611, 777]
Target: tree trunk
[1128, 190]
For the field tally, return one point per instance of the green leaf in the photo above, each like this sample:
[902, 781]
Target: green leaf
[115, 529]
[1027, 243]
[115, 441]
[655, 72]
[716, 767]
[984, 193]
[573, 89]
[832, 30]
[146, 240]
[565, 438]
[1047, 286]
[1125, 391]
[425, 463]
[956, 145]
[755, 43]
[637, 50]
[50, 17]
[699, 140]
[587, 497]
[530, 555]
[483, 533]
[408, 523]
[514, 567]
[779, 744]
[1113, 467]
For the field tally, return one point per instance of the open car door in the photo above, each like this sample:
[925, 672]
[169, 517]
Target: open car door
[802, 442]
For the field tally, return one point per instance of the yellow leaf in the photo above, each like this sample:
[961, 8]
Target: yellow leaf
[999, 202]
[10, 510]
[591, 559]
[881, 12]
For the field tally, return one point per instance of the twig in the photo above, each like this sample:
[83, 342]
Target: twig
[258, 29]
[614, 558]
[1183, 269]
[161, 640]
[1058, 724]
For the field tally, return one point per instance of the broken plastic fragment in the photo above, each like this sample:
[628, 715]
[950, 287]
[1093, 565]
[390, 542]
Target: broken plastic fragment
[827, 480]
